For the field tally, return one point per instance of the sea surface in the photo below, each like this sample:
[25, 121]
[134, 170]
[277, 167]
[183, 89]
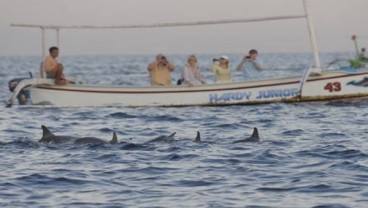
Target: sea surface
[310, 154]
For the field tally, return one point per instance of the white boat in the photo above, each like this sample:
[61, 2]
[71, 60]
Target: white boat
[314, 85]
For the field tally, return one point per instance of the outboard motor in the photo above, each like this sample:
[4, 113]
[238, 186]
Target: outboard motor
[23, 96]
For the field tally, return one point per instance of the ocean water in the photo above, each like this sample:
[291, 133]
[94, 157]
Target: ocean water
[310, 154]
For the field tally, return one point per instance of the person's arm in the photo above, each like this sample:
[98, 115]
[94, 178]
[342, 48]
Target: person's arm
[200, 77]
[186, 76]
[170, 66]
[241, 65]
[49, 64]
[257, 65]
[215, 65]
[151, 66]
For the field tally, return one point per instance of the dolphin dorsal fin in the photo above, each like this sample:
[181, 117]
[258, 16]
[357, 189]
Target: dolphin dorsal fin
[255, 134]
[114, 139]
[46, 132]
[198, 137]
[172, 135]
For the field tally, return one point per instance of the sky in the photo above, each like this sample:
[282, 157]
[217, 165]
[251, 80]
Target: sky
[335, 21]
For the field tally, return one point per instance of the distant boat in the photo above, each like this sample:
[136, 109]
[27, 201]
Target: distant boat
[314, 85]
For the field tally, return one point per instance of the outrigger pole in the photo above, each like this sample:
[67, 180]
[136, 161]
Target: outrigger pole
[316, 69]
[159, 25]
[354, 39]
[312, 35]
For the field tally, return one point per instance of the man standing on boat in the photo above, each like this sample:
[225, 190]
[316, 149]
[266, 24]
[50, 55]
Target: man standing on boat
[250, 65]
[54, 69]
[160, 71]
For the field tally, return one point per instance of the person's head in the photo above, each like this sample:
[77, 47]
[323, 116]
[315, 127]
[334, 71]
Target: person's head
[161, 58]
[192, 59]
[253, 53]
[54, 51]
[224, 60]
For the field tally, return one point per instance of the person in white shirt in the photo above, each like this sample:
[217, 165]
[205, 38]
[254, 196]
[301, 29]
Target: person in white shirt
[191, 74]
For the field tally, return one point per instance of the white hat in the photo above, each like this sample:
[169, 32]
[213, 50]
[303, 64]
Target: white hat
[224, 57]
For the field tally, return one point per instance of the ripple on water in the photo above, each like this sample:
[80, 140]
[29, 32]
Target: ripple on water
[44, 180]
[331, 206]
[119, 115]
[293, 133]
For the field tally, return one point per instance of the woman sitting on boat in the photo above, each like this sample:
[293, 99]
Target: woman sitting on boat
[221, 69]
[191, 75]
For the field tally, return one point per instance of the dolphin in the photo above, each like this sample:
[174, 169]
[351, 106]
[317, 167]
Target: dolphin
[163, 138]
[49, 137]
[253, 138]
[94, 140]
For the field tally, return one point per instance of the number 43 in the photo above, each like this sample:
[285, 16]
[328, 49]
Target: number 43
[333, 86]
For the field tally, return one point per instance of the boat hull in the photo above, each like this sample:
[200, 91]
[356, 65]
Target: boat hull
[328, 86]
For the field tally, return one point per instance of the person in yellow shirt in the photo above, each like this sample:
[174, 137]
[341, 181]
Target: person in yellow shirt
[221, 69]
[160, 71]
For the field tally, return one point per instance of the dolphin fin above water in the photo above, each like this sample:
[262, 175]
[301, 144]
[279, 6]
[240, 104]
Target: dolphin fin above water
[198, 137]
[49, 137]
[46, 132]
[171, 136]
[46, 135]
[114, 139]
[253, 138]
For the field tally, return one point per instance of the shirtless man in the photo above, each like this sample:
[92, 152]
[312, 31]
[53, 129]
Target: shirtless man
[160, 71]
[54, 69]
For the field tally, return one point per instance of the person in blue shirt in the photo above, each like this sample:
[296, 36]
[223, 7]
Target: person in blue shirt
[250, 65]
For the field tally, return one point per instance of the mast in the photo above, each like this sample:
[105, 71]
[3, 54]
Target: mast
[354, 37]
[43, 44]
[312, 36]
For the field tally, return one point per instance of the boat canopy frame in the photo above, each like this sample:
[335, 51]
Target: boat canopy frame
[306, 15]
